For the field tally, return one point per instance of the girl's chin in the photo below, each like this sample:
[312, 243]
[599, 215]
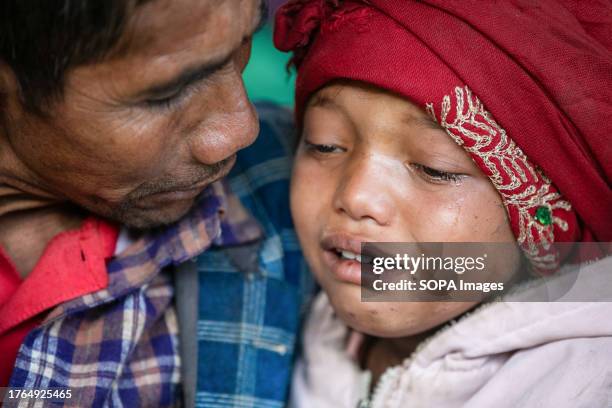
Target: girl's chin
[386, 329]
[381, 319]
[391, 319]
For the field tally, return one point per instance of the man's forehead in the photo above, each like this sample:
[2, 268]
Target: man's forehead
[165, 37]
[159, 26]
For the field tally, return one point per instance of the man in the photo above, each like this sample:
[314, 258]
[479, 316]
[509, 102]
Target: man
[120, 121]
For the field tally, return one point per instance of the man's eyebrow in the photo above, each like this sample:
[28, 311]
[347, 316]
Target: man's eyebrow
[192, 75]
[186, 77]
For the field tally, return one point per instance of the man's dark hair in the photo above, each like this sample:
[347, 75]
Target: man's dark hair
[40, 40]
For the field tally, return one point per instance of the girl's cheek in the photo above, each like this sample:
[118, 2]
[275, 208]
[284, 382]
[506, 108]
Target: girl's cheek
[487, 219]
[304, 200]
[434, 216]
[471, 213]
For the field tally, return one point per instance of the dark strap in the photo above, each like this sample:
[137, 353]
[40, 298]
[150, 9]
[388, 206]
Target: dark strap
[186, 301]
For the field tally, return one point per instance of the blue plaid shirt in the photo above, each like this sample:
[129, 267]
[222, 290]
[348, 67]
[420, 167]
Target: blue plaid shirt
[247, 325]
[119, 346]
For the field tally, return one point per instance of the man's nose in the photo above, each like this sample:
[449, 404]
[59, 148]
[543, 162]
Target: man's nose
[231, 123]
[363, 191]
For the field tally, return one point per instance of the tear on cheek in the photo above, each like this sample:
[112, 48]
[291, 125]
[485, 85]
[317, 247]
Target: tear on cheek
[500, 228]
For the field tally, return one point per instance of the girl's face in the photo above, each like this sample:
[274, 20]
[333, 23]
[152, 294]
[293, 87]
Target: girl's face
[371, 167]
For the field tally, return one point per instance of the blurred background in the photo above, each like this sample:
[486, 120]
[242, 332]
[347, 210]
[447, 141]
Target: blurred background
[266, 77]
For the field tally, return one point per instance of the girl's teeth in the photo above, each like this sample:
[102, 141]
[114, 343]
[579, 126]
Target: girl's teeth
[357, 257]
[351, 255]
[348, 255]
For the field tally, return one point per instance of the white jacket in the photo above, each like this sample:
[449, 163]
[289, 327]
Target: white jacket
[504, 354]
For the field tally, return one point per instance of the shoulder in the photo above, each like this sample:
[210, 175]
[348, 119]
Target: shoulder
[571, 372]
[262, 172]
[324, 350]
[275, 140]
[260, 179]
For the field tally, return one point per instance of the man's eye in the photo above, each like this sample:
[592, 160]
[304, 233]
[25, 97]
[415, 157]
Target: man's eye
[323, 148]
[172, 99]
[437, 176]
[166, 102]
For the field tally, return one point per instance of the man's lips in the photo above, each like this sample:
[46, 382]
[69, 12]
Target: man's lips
[184, 193]
[156, 199]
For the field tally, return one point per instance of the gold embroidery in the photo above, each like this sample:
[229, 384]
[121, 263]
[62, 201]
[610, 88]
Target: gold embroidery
[523, 187]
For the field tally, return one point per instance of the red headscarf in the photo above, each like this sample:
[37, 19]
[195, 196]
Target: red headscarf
[525, 87]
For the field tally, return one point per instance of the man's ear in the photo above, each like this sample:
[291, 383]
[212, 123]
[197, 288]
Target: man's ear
[9, 85]
[11, 101]
[10, 91]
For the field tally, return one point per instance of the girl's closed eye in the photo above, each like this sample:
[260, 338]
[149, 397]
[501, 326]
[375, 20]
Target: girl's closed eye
[323, 148]
[432, 175]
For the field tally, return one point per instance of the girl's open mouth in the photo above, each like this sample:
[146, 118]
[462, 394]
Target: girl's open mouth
[348, 255]
[343, 257]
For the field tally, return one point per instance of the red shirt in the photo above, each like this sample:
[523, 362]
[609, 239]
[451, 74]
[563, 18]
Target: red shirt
[72, 265]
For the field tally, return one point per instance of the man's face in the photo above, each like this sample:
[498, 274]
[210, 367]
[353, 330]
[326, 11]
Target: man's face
[139, 135]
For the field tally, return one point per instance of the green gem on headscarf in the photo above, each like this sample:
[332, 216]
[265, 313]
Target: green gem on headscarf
[543, 215]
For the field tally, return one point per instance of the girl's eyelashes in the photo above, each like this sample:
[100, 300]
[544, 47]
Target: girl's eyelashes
[429, 174]
[323, 148]
[437, 176]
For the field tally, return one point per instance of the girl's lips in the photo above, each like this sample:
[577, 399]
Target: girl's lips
[343, 241]
[345, 270]
[350, 270]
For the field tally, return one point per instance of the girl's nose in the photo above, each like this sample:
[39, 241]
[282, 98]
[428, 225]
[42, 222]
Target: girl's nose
[363, 194]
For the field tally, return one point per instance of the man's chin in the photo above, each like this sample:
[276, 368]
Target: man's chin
[139, 218]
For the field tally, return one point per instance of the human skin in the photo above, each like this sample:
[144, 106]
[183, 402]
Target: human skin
[115, 148]
[373, 167]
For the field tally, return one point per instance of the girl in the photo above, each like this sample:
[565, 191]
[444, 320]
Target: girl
[441, 121]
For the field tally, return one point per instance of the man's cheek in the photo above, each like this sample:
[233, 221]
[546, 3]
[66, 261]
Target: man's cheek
[244, 54]
[134, 156]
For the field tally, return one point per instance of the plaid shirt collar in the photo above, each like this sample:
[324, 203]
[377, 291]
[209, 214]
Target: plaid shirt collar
[218, 218]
